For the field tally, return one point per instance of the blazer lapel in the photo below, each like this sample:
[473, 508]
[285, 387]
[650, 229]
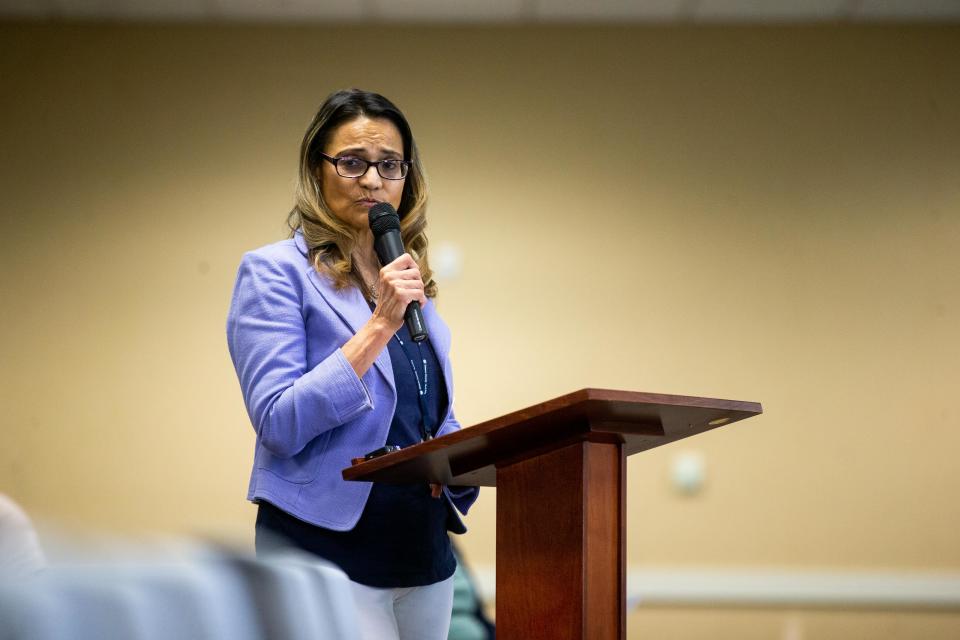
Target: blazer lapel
[440, 340]
[348, 303]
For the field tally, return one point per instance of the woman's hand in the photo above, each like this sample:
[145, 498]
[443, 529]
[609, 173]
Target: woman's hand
[398, 285]
[436, 490]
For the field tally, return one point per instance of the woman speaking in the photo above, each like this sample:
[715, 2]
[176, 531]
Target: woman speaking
[329, 372]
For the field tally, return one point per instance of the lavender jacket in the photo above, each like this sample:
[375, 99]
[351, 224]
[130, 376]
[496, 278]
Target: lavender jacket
[311, 411]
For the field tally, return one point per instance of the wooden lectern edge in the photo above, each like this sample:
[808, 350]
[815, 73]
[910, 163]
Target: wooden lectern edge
[593, 393]
[555, 405]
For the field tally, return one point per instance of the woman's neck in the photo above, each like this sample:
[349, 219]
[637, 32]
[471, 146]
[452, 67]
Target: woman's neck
[364, 254]
[365, 262]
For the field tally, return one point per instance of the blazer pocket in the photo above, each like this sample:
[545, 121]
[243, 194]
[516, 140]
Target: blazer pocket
[301, 468]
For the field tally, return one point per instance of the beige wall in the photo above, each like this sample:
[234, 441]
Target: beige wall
[759, 214]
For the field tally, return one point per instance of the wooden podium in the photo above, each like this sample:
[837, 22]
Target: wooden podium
[560, 472]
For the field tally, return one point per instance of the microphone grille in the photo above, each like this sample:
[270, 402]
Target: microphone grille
[383, 218]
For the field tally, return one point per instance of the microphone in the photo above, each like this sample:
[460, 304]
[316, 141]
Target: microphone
[385, 225]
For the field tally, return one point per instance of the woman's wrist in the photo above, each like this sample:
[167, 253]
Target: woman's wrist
[381, 328]
[366, 345]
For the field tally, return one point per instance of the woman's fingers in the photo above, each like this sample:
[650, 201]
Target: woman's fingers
[402, 263]
[402, 272]
[405, 279]
[400, 284]
[406, 288]
[435, 490]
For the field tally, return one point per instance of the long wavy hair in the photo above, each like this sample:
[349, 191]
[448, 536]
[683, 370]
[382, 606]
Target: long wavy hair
[330, 241]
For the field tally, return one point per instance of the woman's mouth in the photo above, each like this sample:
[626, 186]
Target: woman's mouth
[367, 202]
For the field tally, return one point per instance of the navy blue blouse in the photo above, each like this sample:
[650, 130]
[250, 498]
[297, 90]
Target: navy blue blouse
[401, 537]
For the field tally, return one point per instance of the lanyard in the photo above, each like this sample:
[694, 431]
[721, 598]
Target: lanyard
[422, 387]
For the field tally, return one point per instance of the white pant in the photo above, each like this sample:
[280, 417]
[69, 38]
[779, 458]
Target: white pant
[410, 613]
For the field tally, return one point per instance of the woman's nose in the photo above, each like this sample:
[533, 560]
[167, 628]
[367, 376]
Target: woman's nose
[370, 179]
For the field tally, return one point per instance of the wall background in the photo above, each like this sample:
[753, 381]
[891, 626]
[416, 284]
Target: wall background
[757, 213]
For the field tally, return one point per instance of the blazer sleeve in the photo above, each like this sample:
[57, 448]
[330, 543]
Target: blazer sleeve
[462, 497]
[289, 404]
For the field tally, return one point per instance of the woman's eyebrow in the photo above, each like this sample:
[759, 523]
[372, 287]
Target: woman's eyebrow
[358, 150]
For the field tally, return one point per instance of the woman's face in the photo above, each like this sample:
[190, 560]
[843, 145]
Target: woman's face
[350, 199]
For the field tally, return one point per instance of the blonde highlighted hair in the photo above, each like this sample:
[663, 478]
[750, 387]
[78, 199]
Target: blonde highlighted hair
[330, 242]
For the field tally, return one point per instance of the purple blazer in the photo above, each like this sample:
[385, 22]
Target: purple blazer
[311, 412]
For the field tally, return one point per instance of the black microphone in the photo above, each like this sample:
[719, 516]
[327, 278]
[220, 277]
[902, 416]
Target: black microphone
[385, 224]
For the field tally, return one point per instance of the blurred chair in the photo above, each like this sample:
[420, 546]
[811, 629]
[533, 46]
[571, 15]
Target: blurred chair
[468, 621]
[211, 594]
[20, 552]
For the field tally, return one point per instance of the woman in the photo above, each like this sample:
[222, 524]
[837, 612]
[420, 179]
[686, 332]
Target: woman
[329, 373]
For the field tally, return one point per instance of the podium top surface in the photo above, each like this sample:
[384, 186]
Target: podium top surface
[638, 420]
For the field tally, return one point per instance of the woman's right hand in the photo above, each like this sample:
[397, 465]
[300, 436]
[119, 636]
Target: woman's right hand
[398, 285]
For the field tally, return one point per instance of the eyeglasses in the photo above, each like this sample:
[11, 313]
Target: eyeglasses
[353, 167]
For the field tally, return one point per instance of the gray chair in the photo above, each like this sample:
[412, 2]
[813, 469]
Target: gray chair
[210, 595]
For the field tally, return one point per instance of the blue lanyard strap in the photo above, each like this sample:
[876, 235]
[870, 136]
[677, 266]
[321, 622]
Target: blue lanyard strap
[422, 386]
